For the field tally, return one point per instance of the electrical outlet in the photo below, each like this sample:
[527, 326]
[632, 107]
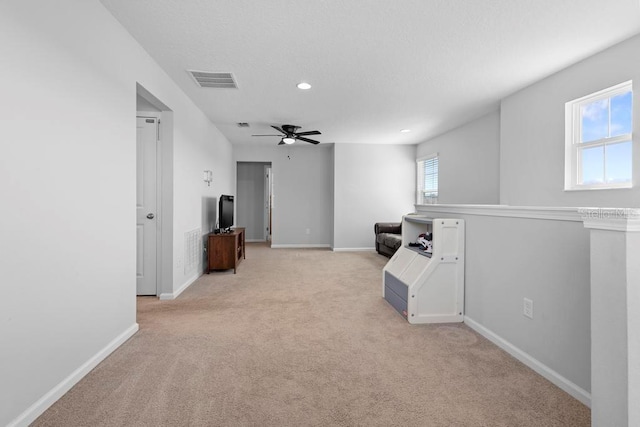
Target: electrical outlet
[527, 309]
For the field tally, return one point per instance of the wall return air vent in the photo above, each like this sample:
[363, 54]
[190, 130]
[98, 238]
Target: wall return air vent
[214, 80]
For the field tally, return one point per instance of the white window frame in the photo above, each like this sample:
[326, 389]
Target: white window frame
[573, 137]
[421, 197]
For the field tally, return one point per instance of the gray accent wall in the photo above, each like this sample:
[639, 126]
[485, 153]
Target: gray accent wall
[302, 192]
[372, 183]
[533, 132]
[331, 195]
[469, 161]
[509, 257]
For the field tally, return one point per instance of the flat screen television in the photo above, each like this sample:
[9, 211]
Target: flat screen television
[225, 212]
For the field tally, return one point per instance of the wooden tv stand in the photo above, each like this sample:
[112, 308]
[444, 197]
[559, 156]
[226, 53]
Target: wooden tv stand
[225, 250]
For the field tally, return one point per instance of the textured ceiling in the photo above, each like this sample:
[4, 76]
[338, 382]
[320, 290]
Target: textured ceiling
[376, 66]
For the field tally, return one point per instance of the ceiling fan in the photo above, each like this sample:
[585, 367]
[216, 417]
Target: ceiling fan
[289, 134]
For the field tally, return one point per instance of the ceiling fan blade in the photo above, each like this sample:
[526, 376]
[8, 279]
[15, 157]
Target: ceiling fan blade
[301, 138]
[278, 129]
[311, 132]
[281, 142]
[265, 135]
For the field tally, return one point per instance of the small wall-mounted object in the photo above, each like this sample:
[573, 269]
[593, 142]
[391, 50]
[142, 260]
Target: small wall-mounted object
[208, 177]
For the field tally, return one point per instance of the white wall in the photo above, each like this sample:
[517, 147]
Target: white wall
[469, 161]
[302, 194]
[198, 146]
[67, 179]
[372, 183]
[142, 106]
[532, 134]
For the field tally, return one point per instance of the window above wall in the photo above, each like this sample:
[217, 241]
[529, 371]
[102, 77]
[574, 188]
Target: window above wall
[599, 140]
[427, 185]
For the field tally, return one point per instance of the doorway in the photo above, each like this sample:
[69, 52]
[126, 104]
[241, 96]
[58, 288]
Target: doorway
[254, 200]
[268, 202]
[155, 123]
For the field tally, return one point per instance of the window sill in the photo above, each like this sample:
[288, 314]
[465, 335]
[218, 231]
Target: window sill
[617, 187]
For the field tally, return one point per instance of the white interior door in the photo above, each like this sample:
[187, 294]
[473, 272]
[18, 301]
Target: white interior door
[146, 213]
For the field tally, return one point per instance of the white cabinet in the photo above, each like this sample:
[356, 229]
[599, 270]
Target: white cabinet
[427, 289]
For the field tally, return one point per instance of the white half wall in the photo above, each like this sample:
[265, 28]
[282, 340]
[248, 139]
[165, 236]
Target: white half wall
[67, 178]
[372, 183]
[302, 194]
[615, 323]
[533, 132]
[469, 161]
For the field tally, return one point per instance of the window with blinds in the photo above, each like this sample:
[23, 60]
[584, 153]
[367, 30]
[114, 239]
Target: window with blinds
[427, 188]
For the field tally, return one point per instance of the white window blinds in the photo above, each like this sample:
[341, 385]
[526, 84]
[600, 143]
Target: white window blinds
[427, 180]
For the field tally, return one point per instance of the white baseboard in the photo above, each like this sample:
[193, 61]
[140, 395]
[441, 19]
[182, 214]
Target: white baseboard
[181, 289]
[301, 246]
[372, 249]
[577, 392]
[35, 410]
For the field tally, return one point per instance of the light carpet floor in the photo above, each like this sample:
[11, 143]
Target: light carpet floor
[304, 338]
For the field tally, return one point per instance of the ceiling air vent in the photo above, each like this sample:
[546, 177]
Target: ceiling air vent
[214, 80]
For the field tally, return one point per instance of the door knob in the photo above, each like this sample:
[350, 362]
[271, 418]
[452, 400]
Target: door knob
[150, 216]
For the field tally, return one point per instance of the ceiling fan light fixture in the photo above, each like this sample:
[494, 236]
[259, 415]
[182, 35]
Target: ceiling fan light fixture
[288, 140]
[304, 86]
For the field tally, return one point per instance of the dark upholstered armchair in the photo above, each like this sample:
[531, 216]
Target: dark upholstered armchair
[388, 237]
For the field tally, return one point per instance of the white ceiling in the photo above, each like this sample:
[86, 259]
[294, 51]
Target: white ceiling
[376, 66]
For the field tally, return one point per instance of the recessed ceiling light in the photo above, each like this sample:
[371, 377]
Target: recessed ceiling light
[405, 130]
[304, 86]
